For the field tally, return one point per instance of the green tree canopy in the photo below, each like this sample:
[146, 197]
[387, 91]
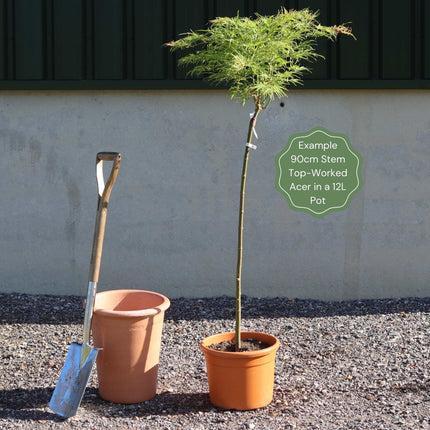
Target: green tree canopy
[257, 57]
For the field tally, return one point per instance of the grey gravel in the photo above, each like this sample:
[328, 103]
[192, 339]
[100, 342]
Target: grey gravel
[341, 365]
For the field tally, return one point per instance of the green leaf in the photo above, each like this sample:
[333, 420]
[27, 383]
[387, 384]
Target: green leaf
[257, 58]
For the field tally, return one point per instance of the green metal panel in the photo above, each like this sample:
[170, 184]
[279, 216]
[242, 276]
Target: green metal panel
[150, 34]
[375, 35]
[68, 39]
[426, 39]
[47, 40]
[189, 15]
[10, 48]
[118, 43]
[108, 39]
[417, 39]
[269, 7]
[396, 40]
[231, 8]
[320, 69]
[354, 59]
[3, 40]
[29, 49]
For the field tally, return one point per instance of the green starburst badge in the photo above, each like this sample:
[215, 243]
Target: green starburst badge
[318, 172]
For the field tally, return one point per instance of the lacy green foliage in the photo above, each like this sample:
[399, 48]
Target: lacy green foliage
[257, 57]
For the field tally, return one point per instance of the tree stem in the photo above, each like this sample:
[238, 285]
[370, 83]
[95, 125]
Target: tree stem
[252, 123]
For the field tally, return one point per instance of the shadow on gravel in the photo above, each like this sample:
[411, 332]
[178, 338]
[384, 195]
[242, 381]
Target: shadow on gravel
[162, 404]
[31, 404]
[224, 308]
[23, 404]
[42, 309]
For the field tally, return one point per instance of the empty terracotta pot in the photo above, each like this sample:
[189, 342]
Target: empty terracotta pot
[127, 325]
[240, 380]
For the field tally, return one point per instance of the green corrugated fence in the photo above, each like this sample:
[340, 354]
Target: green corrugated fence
[117, 44]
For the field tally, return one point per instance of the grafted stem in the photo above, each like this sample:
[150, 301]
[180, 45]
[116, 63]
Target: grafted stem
[251, 128]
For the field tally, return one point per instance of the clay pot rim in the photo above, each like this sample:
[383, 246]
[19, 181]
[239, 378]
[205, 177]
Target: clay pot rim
[204, 344]
[139, 313]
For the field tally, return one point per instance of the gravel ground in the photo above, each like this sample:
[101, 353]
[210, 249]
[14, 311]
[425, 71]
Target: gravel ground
[344, 365]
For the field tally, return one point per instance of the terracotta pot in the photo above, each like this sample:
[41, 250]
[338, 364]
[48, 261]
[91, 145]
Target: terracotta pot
[240, 380]
[127, 325]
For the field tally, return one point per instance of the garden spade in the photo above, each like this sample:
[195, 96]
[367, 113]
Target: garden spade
[77, 367]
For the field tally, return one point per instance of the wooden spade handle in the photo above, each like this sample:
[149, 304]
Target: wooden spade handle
[99, 232]
[103, 200]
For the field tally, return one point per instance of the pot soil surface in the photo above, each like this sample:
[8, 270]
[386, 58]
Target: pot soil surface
[247, 345]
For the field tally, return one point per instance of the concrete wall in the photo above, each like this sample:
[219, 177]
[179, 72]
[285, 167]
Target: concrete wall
[173, 212]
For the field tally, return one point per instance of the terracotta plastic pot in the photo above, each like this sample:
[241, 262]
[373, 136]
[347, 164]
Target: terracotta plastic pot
[240, 380]
[127, 325]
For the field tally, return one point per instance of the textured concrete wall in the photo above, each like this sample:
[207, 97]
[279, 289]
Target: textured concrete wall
[172, 217]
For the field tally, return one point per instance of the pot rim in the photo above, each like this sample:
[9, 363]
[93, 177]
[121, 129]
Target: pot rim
[204, 344]
[134, 313]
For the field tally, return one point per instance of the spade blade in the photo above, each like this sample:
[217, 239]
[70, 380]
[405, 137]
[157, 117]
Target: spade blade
[70, 387]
